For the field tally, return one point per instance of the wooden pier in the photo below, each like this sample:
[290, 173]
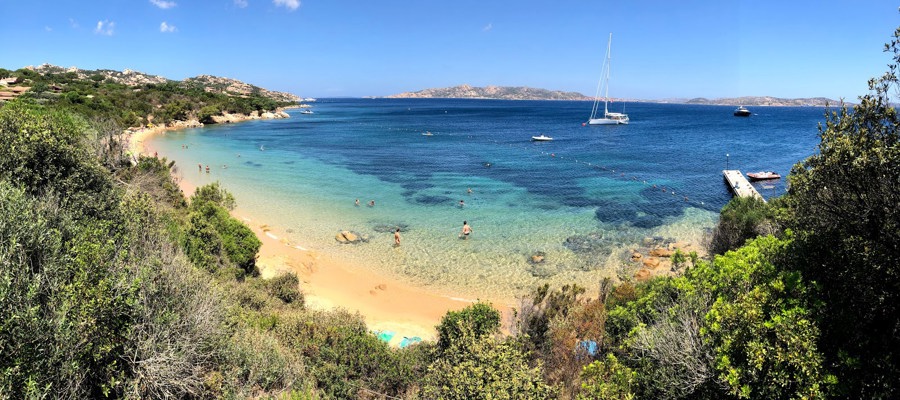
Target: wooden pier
[739, 185]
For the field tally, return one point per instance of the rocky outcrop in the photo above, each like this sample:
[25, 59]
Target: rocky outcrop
[218, 84]
[226, 118]
[186, 124]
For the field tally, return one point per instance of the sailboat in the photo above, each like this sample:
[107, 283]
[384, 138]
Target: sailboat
[608, 118]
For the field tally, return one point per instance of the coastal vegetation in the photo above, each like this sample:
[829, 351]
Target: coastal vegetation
[113, 284]
[132, 99]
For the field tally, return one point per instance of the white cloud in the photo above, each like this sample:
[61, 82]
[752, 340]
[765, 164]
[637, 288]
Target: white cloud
[105, 28]
[289, 4]
[487, 27]
[48, 29]
[165, 5]
[240, 3]
[166, 28]
[73, 23]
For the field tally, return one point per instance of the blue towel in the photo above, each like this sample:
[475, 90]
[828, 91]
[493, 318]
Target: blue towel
[409, 341]
[385, 336]
[589, 346]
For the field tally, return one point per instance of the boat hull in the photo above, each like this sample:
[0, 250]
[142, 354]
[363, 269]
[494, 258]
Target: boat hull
[763, 176]
[606, 121]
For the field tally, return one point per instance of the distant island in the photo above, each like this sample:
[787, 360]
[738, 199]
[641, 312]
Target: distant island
[491, 92]
[527, 93]
[763, 101]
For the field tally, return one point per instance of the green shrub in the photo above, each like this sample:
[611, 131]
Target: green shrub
[478, 366]
[741, 219]
[217, 241]
[286, 287]
[480, 318]
[65, 301]
[344, 357]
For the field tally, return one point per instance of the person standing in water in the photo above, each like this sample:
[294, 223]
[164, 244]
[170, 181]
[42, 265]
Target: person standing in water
[466, 230]
[397, 237]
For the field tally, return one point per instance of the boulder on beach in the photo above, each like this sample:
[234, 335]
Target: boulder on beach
[642, 275]
[348, 237]
[661, 253]
[651, 262]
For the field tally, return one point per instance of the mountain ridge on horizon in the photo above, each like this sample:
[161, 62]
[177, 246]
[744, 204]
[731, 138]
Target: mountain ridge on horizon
[492, 92]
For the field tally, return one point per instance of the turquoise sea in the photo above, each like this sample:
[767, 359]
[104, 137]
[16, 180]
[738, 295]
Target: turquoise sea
[584, 200]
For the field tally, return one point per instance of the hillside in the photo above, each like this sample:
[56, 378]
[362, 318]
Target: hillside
[134, 99]
[491, 92]
[209, 83]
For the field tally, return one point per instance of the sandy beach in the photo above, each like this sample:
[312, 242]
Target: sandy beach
[387, 304]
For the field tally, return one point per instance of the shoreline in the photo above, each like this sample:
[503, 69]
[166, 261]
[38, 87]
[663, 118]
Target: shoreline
[328, 283]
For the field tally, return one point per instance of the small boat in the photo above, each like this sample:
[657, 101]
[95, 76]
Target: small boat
[427, 133]
[741, 112]
[762, 175]
[306, 112]
[541, 138]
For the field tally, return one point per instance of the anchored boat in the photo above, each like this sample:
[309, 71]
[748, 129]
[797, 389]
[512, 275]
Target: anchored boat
[762, 175]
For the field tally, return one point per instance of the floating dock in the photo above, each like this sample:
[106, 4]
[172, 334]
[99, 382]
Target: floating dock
[739, 185]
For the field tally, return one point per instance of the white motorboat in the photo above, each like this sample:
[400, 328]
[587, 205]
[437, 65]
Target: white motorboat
[541, 138]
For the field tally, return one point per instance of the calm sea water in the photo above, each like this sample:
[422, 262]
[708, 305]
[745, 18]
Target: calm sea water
[583, 200]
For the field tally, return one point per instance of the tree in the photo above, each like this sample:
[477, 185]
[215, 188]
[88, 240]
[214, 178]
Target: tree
[844, 203]
[474, 365]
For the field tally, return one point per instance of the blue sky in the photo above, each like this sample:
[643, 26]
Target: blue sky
[332, 48]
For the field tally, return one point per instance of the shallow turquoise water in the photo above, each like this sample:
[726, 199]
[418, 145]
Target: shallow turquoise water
[584, 199]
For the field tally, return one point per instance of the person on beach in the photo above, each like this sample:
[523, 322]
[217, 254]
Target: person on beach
[371, 203]
[357, 202]
[397, 237]
[207, 169]
[469, 191]
[466, 230]
[462, 204]
[199, 167]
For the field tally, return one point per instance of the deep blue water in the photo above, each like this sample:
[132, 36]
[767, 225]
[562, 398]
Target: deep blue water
[679, 147]
[584, 200]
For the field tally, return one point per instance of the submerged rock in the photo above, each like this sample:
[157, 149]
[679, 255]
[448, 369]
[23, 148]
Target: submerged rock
[538, 257]
[390, 228]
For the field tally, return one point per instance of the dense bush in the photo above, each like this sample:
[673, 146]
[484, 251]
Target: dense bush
[475, 364]
[743, 218]
[214, 239]
[480, 318]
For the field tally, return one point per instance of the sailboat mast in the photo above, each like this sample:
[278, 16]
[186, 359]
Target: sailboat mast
[608, 59]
